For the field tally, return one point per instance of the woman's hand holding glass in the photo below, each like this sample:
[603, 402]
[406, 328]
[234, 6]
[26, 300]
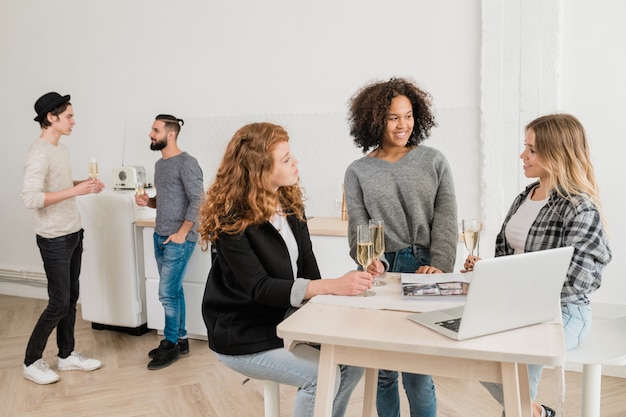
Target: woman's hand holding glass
[377, 234]
[376, 268]
[470, 261]
[364, 251]
[470, 229]
[353, 283]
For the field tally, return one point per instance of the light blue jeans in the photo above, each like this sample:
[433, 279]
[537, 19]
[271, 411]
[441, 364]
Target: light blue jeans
[576, 326]
[420, 389]
[172, 260]
[297, 368]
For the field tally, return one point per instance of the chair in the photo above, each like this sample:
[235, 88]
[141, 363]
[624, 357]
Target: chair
[605, 345]
[271, 397]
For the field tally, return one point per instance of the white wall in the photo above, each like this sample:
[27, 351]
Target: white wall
[593, 88]
[219, 65]
[491, 67]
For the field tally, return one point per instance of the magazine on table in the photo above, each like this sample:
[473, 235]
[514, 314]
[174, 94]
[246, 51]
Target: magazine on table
[440, 287]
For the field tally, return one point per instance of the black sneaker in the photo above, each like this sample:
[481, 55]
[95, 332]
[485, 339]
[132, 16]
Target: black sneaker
[183, 346]
[549, 412]
[166, 354]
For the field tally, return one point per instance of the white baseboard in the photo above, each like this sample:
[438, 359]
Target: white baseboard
[616, 371]
[23, 290]
[22, 283]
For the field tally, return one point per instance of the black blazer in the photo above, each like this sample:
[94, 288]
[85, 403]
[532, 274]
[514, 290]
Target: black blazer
[248, 289]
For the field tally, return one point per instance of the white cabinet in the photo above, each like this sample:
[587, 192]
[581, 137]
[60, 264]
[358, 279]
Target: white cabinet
[329, 236]
[193, 286]
[112, 292]
[333, 255]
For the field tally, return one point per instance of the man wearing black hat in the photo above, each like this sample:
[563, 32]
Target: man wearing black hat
[49, 190]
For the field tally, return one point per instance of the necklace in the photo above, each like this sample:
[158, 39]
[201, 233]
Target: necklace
[278, 221]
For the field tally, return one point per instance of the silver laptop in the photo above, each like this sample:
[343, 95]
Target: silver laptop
[505, 293]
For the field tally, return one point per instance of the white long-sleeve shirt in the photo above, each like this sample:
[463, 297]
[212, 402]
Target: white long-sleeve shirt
[47, 169]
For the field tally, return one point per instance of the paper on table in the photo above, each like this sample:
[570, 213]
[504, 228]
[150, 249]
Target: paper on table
[388, 297]
[441, 287]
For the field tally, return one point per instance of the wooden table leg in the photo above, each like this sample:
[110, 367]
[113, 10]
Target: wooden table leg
[326, 381]
[369, 396]
[516, 390]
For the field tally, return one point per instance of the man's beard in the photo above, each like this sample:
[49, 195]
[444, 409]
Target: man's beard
[158, 145]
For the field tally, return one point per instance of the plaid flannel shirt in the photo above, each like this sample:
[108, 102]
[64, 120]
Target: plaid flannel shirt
[573, 221]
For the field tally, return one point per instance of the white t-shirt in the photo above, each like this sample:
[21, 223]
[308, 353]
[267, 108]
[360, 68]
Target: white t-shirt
[519, 225]
[280, 223]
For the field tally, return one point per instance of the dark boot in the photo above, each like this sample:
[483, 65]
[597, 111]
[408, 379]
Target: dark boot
[166, 354]
[183, 346]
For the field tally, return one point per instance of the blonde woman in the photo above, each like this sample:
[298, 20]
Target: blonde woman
[265, 266]
[561, 209]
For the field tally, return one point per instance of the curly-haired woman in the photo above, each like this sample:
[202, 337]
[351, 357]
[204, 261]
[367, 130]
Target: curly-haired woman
[265, 267]
[410, 187]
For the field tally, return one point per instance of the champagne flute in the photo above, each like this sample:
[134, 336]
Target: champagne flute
[139, 191]
[93, 168]
[377, 230]
[364, 251]
[471, 234]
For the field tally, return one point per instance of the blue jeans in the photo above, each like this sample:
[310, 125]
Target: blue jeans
[61, 260]
[576, 326]
[420, 389]
[172, 260]
[297, 368]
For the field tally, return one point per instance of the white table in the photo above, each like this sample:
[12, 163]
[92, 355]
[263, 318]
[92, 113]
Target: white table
[388, 297]
[385, 339]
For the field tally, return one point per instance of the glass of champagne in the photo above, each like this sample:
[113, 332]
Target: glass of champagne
[377, 230]
[471, 234]
[93, 168]
[364, 251]
[139, 191]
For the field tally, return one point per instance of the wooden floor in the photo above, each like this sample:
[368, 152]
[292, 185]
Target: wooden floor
[198, 385]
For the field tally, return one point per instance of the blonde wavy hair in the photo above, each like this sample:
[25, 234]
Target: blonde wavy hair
[561, 144]
[242, 193]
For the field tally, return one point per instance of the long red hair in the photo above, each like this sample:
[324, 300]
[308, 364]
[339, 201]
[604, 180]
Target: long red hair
[241, 194]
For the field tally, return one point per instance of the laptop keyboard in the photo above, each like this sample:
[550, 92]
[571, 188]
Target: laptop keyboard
[452, 324]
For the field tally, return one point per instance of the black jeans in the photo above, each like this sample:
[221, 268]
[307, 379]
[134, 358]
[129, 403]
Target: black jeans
[61, 260]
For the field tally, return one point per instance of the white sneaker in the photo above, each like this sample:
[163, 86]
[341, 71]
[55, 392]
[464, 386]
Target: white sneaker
[40, 373]
[77, 362]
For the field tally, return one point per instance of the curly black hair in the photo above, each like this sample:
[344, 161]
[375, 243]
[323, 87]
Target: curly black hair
[369, 106]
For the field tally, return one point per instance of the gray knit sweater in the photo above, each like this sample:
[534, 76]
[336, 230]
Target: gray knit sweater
[180, 189]
[414, 196]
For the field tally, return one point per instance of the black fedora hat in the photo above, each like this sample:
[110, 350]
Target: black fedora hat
[47, 103]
